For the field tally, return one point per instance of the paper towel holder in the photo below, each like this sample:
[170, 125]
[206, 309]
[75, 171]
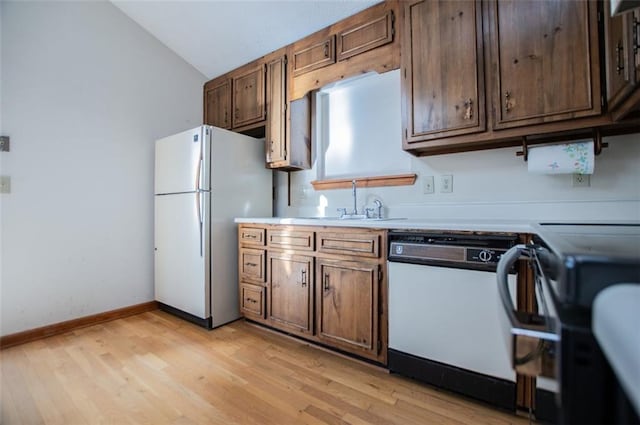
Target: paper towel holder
[598, 144]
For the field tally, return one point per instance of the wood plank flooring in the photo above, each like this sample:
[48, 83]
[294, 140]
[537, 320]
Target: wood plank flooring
[154, 368]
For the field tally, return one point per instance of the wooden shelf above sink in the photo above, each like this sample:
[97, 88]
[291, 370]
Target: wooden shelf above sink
[377, 181]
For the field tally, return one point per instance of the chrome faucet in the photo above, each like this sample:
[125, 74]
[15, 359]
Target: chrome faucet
[378, 205]
[353, 192]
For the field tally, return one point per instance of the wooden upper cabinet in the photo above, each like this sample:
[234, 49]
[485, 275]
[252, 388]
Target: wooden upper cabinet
[317, 52]
[619, 58]
[365, 36]
[623, 62]
[249, 96]
[217, 103]
[276, 134]
[547, 57]
[636, 41]
[444, 76]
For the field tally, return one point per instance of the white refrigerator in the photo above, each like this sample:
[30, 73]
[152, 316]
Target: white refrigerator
[204, 178]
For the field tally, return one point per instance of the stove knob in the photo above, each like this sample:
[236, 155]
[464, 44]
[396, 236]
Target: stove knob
[485, 255]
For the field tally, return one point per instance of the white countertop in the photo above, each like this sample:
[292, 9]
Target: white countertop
[511, 226]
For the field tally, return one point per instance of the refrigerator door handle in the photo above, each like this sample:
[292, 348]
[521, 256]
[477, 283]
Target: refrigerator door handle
[200, 223]
[199, 172]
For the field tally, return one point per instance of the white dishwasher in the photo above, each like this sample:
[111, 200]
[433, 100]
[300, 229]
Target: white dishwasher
[444, 323]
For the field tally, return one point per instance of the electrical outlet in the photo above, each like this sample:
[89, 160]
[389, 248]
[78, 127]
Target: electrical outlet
[427, 186]
[5, 184]
[446, 184]
[581, 180]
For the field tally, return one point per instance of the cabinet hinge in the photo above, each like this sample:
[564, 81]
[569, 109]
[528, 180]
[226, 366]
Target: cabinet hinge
[393, 26]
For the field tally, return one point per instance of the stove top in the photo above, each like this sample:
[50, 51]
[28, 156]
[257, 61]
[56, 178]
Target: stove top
[617, 241]
[590, 257]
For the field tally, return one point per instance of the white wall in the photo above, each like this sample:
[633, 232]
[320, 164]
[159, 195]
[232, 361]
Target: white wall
[86, 91]
[491, 184]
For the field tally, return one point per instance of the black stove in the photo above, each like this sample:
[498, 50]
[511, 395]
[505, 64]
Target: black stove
[577, 261]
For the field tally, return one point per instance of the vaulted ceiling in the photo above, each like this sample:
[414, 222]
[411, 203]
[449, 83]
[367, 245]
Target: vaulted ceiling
[216, 36]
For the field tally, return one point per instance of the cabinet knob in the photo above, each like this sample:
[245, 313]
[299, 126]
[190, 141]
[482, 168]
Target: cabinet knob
[468, 112]
[508, 105]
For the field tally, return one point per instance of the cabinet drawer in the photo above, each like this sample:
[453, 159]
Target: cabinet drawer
[365, 36]
[252, 301]
[317, 55]
[252, 265]
[359, 244]
[301, 240]
[252, 236]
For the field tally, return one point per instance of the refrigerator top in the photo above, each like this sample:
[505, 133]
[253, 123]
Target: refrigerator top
[182, 162]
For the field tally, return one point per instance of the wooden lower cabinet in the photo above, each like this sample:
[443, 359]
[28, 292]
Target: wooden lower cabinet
[347, 299]
[252, 300]
[290, 292]
[324, 284]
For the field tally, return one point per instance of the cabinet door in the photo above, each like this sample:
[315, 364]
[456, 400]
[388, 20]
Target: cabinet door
[365, 36]
[547, 61]
[217, 104]
[290, 292]
[443, 63]
[347, 305]
[619, 57]
[636, 42]
[319, 53]
[249, 97]
[276, 136]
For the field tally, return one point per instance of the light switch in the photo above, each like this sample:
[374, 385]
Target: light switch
[5, 184]
[427, 185]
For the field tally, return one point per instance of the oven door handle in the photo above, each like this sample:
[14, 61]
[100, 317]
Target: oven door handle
[531, 345]
[507, 261]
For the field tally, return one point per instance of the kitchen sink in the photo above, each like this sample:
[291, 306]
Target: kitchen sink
[350, 218]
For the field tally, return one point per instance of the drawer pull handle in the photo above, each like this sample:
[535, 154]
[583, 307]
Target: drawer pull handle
[304, 278]
[326, 49]
[246, 236]
[326, 281]
[251, 264]
[251, 300]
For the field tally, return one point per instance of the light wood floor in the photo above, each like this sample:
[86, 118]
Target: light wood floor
[156, 369]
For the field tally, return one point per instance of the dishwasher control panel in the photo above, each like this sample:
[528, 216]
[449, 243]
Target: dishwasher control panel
[468, 250]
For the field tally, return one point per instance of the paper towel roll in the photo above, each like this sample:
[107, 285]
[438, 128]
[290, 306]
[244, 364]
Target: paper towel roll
[570, 158]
